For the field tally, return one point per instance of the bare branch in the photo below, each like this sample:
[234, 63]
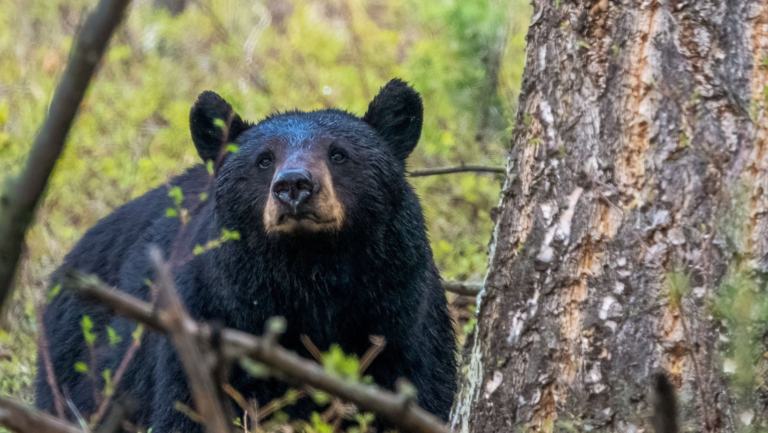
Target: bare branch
[285, 364]
[129, 354]
[20, 418]
[182, 330]
[378, 342]
[120, 302]
[118, 413]
[20, 199]
[462, 288]
[45, 354]
[458, 169]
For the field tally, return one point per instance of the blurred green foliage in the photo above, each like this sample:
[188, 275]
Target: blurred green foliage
[132, 131]
[741, 307]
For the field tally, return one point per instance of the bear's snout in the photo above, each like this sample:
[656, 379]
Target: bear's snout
[303, 199]
[293, 190]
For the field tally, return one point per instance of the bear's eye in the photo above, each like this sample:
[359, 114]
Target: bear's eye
[265, 161]
[338, 156]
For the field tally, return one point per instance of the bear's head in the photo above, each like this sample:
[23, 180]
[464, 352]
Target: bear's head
[299, 173]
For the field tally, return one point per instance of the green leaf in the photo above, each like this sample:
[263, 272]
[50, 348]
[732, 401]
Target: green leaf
[81, 367]
[320, 426]
[321, 398]
[340, 365]
[170, 212]
[364, 420]
[220, 123]
[177, 196]
[255, 369]
[209, 167]
[227, 235]
[232, 148]
[198, 250]
[406, 389]
[109, 390]
[54, 292]
[137, 333]
[470, 325]
[203, 196]
[291, 396]
[113, 336]
[583, 44]
[276, 325]
[87, 326]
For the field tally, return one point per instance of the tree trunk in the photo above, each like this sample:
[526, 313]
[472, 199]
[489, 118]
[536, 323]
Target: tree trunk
[634, 203]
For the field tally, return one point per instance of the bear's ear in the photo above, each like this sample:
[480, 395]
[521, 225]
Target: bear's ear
[206, 119]
[396, 114]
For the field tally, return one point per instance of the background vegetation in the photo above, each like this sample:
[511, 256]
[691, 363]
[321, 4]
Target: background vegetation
[132, 133]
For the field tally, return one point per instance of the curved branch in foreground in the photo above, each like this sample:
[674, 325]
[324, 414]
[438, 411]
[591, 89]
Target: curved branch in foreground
[19, 199]
[459, 169]
[462, 288]
[179, 325]
[234, 344]
[21, 418]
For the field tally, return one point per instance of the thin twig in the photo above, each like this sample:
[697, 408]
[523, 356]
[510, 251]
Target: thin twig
[279, 403]
[20, 418]
[313, 350]
[20, 199]
[50, 375]
[118, 413]
[696, 369]
[189, 412]
[458, 169]
[234, 344]
[76, 412]
[246, 406]
[129, 354]
[462, 288]
[377, 345]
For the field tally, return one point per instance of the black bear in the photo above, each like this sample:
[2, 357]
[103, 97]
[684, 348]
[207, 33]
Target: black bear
[321, 227]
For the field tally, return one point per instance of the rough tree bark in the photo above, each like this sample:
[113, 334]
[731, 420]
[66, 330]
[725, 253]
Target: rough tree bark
[641, 131]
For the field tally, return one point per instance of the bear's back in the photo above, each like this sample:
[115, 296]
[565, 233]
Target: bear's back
[103, 251]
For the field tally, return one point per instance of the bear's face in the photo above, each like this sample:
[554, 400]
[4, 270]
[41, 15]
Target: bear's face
[303, 172]
[300, 175]
[297, 173]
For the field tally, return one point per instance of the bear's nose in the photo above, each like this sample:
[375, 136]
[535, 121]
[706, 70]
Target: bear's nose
[293, 188]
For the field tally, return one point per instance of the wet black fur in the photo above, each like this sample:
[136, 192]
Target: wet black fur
[374, 277]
